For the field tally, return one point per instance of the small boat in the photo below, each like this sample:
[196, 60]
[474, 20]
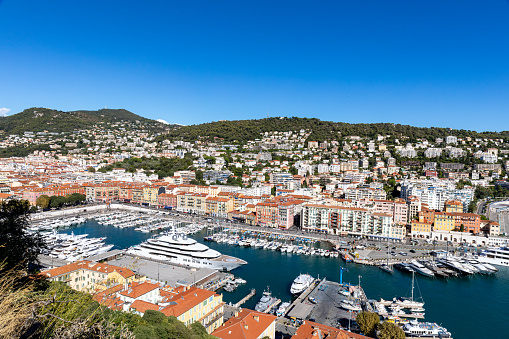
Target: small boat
[386, 268]
[313, 300]
[282, 309]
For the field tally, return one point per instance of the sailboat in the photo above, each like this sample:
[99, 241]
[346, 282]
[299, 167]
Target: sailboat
[409, 302]
[386, 267]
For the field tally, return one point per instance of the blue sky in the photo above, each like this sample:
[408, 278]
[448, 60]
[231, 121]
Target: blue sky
[418, 62]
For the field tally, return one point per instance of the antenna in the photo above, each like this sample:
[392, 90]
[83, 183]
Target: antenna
[267, 114]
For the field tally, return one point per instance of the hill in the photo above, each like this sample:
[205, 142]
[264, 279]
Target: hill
[244, 130]
[37, 119]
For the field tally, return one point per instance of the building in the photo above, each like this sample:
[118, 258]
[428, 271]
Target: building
[196, 305]
[88, 275]
[349, 221]
[248, 324]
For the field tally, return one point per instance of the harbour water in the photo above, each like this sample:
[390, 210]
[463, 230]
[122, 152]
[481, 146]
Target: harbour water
[469, 307]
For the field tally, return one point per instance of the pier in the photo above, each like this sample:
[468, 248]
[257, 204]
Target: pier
[246, 298]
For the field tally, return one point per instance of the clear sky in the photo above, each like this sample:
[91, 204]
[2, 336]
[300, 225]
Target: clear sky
[420, 62]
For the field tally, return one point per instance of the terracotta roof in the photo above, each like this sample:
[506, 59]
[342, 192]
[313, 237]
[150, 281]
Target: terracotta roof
[136, 289]
[184, 301]
[312, 330]
[248, 324]
[88, 265]
[142, 306]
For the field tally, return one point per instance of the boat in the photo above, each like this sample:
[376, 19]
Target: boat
[408, 302]
[267, 301]
[230, 286]
[313, 300]
[495, 256]
[386, 268]
[179, 249]
[300, 283]
[421, 269]
[416, 329]
[281, 311]
[350, 306]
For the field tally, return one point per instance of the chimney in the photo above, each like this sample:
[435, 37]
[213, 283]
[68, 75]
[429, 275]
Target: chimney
[257, 318]
[245, 326]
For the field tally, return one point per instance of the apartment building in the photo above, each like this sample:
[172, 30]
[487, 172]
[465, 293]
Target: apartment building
[196, 305]
[89, 276]
[349, 221]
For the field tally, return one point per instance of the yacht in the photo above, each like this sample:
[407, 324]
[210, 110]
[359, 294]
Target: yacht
[179, 249]
[300, 283]
[266, 302]
[415, 329]
[421, 269]
[281, 311]
[495, 255]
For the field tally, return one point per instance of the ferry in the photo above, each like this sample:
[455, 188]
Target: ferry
[415, 329]
[179, 249]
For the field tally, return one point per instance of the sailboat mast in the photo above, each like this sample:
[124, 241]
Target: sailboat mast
[413, 274]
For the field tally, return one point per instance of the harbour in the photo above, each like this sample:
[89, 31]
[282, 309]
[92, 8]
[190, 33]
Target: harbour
[448, 301]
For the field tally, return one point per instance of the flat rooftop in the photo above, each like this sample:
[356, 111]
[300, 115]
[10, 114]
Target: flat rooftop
[171, 274]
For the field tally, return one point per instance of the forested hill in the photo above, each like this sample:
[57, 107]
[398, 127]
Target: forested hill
[244, 130]
[39, 119]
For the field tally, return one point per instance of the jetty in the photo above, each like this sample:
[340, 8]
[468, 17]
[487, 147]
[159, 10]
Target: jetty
[246, 298]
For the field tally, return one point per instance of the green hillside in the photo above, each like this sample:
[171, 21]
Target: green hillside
[37, 119]
[243, 130]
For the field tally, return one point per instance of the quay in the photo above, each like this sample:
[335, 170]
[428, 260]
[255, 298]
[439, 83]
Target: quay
[246, 298]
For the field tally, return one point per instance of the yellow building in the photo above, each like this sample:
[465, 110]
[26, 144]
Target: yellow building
[91, 276]
[219, 207]
[420, 226]
[192, 202]
[444, 221]
[196, 305]
[453, 206]
[151, 194]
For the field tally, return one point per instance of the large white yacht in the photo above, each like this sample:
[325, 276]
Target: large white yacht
[179, 249]
[300, 283]
[495, 255]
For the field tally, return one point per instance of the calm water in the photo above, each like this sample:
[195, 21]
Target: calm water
[468, 307]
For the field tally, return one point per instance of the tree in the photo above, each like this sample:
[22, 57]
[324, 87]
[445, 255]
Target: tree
[91, 169]
[43, 201]
[368, 322]
[462, 228]
[57, 201]
[390, 331]
[17, 246]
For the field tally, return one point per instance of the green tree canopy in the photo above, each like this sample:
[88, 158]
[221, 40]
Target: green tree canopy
[17, 246]
[389, 330]
[368, 322]
[43, 201]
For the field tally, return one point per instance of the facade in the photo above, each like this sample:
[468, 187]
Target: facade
[87, 275]
[196, 305]
[349, 220]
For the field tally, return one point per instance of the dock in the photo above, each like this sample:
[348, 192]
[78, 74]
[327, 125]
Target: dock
[246, 298]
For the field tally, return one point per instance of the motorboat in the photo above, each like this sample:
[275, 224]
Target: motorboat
[416, 329]
[300, 283]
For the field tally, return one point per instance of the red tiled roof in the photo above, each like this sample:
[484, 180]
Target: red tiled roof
[248, 324]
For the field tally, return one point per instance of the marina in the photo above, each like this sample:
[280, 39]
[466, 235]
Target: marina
[444, 297]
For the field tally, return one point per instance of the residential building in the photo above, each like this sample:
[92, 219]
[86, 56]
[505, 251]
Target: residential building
[248, 324]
